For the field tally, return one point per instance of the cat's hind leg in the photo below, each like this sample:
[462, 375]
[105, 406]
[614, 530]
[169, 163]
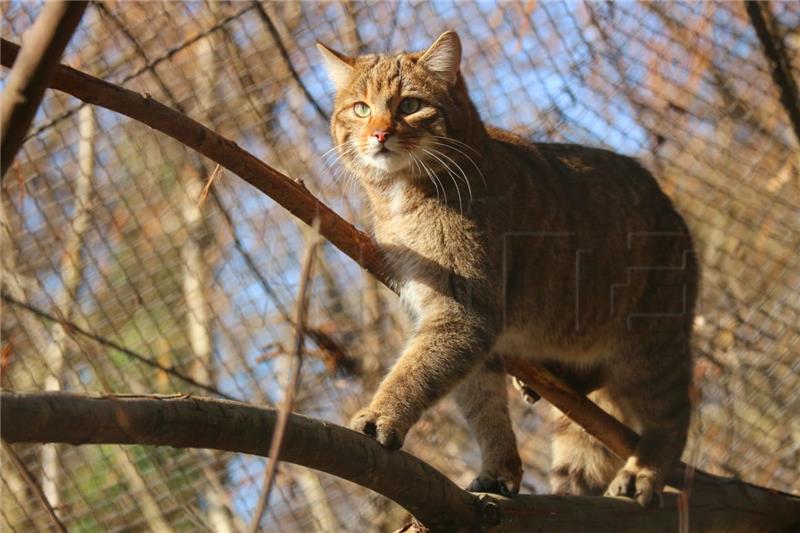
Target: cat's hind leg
[483, 399]
[654, 389]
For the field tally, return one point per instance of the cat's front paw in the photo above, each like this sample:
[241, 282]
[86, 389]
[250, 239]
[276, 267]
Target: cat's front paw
[640, 483]
[381, 427]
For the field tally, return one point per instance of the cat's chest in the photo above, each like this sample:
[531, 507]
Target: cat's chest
[423, 240]
[411, 246]
[407, 221]
[414, 244]
[412, 256]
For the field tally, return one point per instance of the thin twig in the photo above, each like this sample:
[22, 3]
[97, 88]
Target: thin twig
[781, 66]
[139, 49]
[149, 66]
[212, 178]
[38, 61]
[73, 327]
[35, 488]
[284, 53]
[294, 378]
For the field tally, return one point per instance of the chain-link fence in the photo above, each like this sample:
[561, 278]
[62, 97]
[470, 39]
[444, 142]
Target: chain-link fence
[116, 277]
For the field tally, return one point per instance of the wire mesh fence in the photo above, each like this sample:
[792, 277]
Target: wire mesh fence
[117, 277]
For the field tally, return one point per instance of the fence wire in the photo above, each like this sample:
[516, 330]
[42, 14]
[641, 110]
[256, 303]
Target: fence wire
[101, 227]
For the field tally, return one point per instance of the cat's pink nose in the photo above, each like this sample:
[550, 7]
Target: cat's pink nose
[381, 135]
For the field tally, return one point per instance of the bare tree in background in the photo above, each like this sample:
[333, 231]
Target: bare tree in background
[72, 273]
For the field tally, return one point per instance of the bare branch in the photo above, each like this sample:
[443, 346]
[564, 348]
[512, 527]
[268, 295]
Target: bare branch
[611, 432]
[781, 65]
[184, 421]
[284, 53]
[38, 60]
[35, 488]
[74, 328]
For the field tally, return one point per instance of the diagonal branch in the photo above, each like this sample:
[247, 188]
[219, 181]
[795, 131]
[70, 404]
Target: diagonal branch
[74, 328]
[760, 16]
[27, 476]
[44, 43]
[284, 53]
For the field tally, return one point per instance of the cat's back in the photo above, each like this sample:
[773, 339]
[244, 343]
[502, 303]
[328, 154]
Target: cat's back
[574, 187]
[577, 209]
[572, 167]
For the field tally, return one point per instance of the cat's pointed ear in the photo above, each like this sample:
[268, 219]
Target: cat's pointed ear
[444, 56]
[340, 67]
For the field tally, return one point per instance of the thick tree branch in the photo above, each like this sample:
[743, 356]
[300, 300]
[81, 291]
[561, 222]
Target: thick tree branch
[184, 421]
[44, 42]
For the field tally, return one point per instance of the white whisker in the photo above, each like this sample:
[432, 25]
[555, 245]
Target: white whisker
[434, 179]
[458, 142]
[452, 176]
[474, 164]
[417, 165]
[341, 154]
[458, 167]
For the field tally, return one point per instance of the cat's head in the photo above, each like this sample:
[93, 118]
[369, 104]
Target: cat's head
[393, 111]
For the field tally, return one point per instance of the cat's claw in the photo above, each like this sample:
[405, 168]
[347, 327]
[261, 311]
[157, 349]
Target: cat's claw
[380, 428]
[642, 485]
[494, 485]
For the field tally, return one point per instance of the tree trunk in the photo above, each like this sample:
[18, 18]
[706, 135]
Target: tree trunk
[71, 275]
[197, 276]
[144, 498]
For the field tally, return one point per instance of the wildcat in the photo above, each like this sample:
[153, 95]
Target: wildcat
[499, 246]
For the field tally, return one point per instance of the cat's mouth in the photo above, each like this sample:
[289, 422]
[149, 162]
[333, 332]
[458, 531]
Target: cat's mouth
[382, 150]
[386, 159]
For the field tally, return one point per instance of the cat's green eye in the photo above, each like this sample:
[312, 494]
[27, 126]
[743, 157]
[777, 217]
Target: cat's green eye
[409, 106]
[361, 110]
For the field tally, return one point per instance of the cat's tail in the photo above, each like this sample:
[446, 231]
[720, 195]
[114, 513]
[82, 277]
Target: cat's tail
[582, 466]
